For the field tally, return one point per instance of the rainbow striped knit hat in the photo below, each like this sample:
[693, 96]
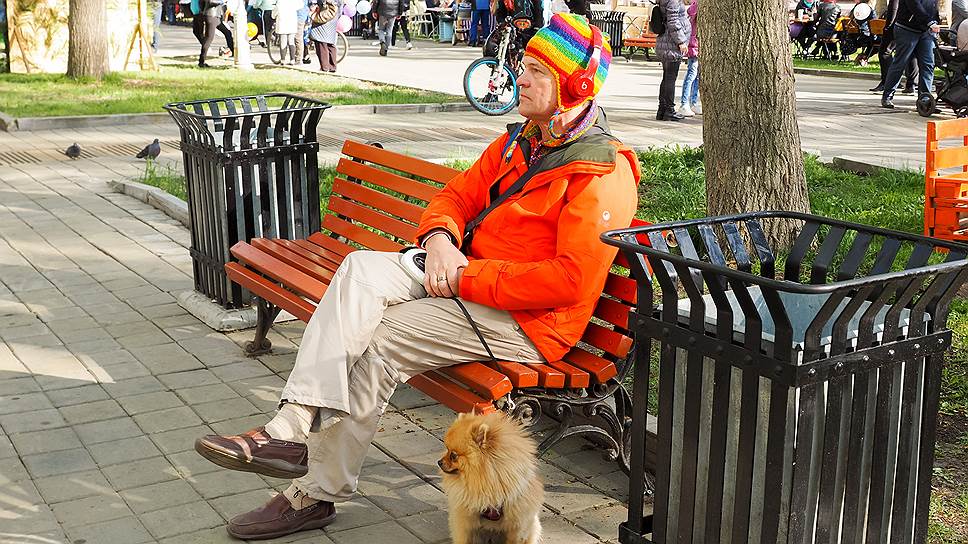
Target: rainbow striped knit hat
[565, 47]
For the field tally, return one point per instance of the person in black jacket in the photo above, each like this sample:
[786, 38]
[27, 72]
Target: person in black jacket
[915, 29]
[886, 50]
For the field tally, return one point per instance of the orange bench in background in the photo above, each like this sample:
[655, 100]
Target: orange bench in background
[645, 42]
[946, 193]
[376, 202]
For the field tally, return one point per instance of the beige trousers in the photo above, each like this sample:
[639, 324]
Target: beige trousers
[376, 327]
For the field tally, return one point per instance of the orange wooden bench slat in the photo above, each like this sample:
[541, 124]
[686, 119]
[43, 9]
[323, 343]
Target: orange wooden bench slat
[574, 377]
[358, 234]
[293, 259]
[608, 340]
[328, 244]
[622, 288]
[549, 377]
[613, 312]
[372, 218]
[396, 161]
[950, 128]
[480, 378]
[389, 180]
[272, 267]
[600, 369]
[271, 292]
[950, 157]
[450, 394]
[520, 375]
[381, 201]
[299, 247]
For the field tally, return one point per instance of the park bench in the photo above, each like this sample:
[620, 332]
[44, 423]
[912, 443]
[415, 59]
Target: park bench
[946, 193]
[643, 42]
[377, 199]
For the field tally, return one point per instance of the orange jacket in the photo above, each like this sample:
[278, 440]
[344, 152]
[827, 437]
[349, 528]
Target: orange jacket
[538, 254]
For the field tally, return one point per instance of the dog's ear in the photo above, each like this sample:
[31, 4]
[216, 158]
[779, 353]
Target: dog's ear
[479, 433]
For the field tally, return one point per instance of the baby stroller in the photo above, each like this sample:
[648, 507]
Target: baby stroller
[952, 88]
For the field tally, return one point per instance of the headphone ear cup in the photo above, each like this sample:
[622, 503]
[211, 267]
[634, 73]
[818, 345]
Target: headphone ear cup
[580, 85]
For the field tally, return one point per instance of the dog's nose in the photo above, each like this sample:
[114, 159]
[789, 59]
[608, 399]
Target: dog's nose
[440, 463]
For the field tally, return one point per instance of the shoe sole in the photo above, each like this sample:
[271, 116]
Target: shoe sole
[308, 526]
[274, 468]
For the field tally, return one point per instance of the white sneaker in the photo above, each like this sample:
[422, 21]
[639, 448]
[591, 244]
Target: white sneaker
[409, 46]
[697, 108]
[686, 111]
[375, 43]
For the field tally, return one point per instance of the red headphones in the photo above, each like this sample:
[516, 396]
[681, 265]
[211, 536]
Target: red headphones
[582, 85]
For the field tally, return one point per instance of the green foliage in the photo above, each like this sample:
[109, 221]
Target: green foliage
[42, 95]
[165, 179]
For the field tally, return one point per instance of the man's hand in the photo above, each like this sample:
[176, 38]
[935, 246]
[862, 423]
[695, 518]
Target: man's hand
[683, 48]
[444, 267]
[935, 28]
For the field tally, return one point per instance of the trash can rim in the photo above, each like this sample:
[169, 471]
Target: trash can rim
[615, 238]
[180, 108]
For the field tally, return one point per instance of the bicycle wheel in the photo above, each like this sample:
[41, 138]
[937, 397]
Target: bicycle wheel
[274, 45]
[490, 92]
[342, 46]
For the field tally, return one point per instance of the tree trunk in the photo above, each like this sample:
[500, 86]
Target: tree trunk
[87, 53]
[751, 139]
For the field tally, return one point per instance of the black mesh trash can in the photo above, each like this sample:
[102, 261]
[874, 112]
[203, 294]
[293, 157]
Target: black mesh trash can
[798, 407]
[251, 171]
[611, 23]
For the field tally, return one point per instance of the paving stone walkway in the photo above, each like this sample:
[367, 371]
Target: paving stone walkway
[105, 382]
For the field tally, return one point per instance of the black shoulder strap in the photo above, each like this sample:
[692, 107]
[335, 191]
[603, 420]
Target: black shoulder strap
[495, 202]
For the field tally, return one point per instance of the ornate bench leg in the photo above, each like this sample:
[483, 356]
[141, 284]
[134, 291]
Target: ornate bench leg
[261, 345]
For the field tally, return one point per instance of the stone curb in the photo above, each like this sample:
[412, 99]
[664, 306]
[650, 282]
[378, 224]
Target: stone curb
[172, 206]
[10, 124]
[836, 73]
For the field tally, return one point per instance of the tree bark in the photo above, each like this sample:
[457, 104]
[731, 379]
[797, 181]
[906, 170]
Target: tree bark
[87, 53]
[751, 139]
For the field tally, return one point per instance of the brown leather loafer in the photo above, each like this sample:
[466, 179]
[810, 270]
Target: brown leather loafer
[278, 518]
[255, 451]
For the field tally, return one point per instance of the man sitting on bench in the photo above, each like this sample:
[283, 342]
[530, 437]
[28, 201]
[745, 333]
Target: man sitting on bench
[529, 281]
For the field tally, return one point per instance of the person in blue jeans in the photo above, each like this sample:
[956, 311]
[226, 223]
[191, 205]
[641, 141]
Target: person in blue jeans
[482, 15]
[689, 101]
[915, 29]
[157, 8]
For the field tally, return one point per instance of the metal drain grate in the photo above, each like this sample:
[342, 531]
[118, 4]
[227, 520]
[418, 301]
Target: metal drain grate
[10, 158]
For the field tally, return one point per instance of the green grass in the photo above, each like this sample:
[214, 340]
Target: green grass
[45, 95]
[844, 66]
[166, 179]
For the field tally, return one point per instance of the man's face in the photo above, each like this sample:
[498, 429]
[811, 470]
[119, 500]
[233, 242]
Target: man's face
[538, 87]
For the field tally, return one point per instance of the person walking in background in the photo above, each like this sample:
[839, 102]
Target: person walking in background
[481, 15]
[670, 48]
[207, 19]
[915, 27]
[403, 23]
[302, 32]
[157, 9]
[886, 50]
[287, 25]
[324, 36]
[689, 101]
[386, 15]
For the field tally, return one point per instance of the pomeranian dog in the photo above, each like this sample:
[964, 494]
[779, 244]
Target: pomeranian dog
[490, 478]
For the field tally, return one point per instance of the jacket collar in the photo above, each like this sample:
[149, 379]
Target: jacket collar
[594, 153]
